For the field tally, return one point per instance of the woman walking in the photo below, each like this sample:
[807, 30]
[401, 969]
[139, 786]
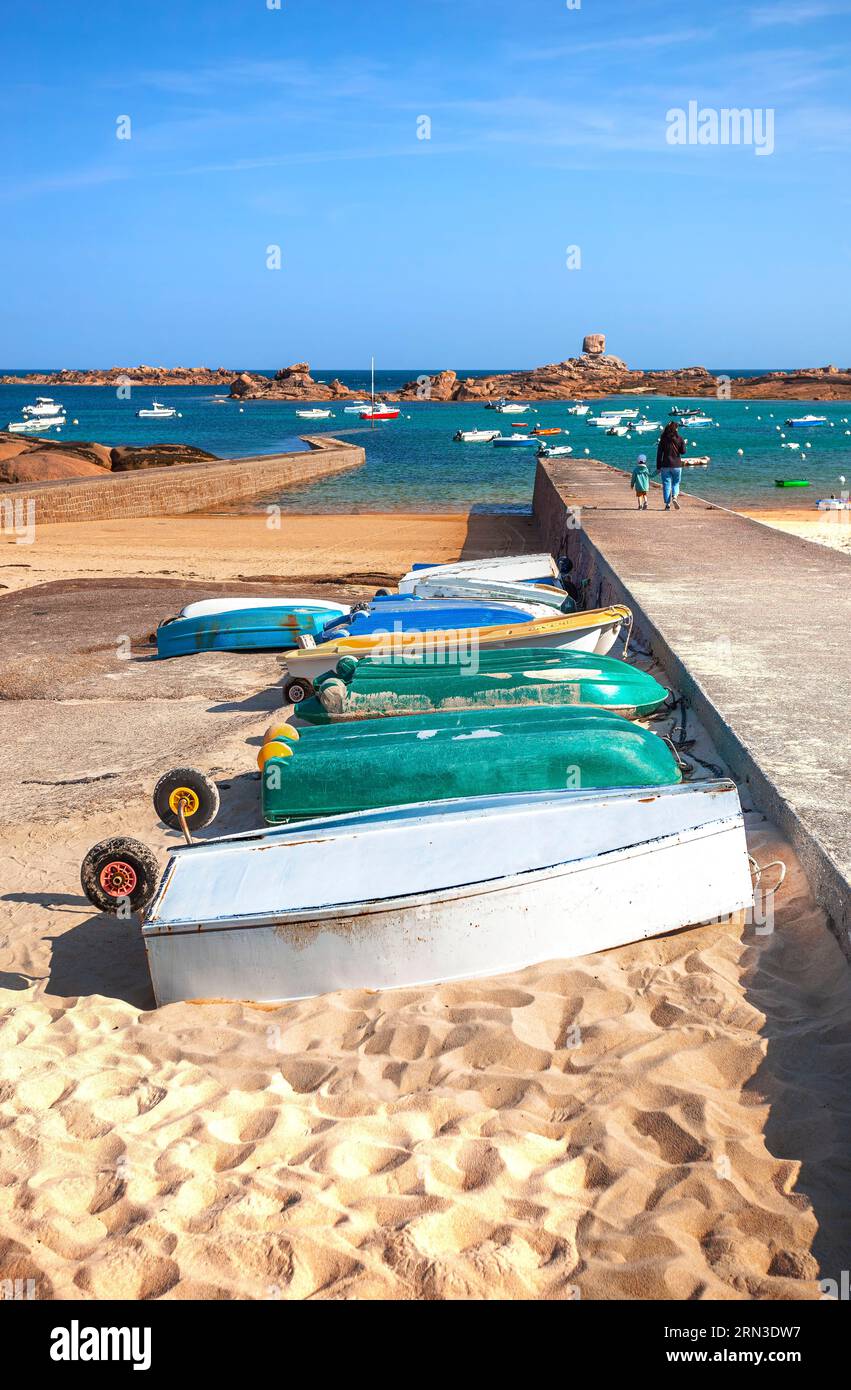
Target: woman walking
[671, 448]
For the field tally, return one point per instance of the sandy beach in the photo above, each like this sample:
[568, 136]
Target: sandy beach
[824, 528]
[663, 1120]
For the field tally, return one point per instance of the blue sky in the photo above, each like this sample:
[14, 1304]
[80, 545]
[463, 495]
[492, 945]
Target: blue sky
[254, 127]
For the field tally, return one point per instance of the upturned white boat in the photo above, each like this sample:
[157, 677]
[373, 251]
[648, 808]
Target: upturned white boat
[313, 414]
[354, 902]
[462, 586]
[45, 408]
[209, 607]
[34, 426]
[514, 568]
[157, 412]
[475, 436]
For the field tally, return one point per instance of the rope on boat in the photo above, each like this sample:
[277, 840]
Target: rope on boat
[628, 633]
[685, 768]
[757, 870]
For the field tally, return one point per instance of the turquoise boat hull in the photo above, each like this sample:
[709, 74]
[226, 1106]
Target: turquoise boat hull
[372, 688]
[243, 630]
[433, 757]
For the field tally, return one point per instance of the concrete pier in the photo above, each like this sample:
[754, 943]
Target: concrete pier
[752, 625]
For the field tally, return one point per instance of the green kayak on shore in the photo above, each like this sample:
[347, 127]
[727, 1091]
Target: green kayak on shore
[431, 757]
[372, 687]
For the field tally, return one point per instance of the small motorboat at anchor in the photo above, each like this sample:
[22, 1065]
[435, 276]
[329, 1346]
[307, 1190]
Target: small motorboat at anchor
[475, 436]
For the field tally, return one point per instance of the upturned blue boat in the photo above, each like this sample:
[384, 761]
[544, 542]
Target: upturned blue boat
[408, 613]
[244, 625]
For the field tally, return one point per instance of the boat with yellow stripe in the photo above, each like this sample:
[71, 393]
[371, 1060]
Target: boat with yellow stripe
[595, 630]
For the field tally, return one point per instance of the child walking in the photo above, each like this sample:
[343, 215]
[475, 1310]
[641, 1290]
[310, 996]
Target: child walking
[640, 481]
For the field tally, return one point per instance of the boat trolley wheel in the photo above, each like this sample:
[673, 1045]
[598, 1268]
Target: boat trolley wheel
[119, 872]
[297, 689]
[186, 789]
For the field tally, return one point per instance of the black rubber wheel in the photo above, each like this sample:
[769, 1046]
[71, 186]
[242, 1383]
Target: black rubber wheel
[119, 873]
[296, 689]
[199, 794]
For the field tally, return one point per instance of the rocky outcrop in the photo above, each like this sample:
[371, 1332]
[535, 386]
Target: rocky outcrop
[40, 460]
[124, 460]
[127, 376]
[594, 344]
[592, 374]
[42, 466]
[807, 384]
[289, 384]
[598, 373]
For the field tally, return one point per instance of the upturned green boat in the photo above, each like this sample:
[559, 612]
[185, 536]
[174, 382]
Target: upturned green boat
[432, 757]
[372, 687]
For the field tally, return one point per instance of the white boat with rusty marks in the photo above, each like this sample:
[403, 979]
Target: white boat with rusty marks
[354, 902]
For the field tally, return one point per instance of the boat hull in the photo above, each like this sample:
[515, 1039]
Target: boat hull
[458, 586]
[372, 689]
[273, 628]
[397, 614]
[353, 903]
[594, 631]
[514, 568]
[458, 753]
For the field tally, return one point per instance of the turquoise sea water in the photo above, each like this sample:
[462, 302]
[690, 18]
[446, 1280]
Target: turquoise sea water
[413, 464]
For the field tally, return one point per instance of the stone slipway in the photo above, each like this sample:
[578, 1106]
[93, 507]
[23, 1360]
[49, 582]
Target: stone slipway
[172, 491]
[754, 628]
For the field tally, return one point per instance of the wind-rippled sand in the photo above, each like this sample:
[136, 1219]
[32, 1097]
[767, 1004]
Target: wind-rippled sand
[667, 1120]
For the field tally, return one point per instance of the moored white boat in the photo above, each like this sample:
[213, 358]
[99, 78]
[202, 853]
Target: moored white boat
[475, 436]
[315, 414]
[579, 409]
[549, 451]
[45, 408]
[803, 421]
[355, 408]
[353, 902]
[35, 425]
[510, 408]
[157, 412]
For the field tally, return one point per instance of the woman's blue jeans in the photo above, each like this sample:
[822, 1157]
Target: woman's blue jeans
[671, 479]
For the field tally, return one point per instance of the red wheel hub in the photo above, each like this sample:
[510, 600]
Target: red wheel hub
[118, 879]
